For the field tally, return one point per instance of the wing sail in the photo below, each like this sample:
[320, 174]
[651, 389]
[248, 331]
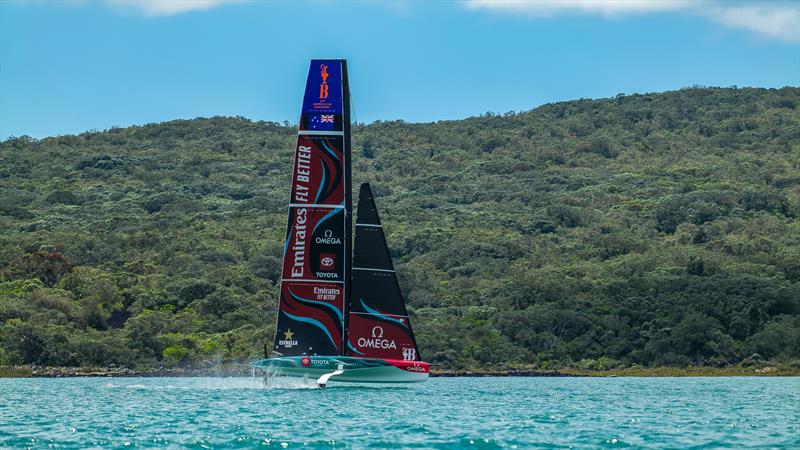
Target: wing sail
[316, 256]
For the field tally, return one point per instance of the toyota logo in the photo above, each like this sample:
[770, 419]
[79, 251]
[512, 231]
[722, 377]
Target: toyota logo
[327, 261]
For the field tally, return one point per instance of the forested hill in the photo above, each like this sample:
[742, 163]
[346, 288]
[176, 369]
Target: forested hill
[657, 229]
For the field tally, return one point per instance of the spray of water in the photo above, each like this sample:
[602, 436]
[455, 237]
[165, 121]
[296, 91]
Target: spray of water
[271, 381]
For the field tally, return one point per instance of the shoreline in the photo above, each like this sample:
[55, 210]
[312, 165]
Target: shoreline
[243, 370]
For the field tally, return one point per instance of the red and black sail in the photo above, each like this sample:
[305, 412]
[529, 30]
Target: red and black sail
[378, 324]
[330, 305]
[316, 261]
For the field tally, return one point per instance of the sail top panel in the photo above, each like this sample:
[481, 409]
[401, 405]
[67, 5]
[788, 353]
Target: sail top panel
[324, 102]
[367, 211]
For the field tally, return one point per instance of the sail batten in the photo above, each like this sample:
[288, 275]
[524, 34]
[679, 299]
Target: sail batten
[290, 280]
[315, 275]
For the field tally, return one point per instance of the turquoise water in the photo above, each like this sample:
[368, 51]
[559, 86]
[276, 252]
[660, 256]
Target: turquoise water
[443, 413]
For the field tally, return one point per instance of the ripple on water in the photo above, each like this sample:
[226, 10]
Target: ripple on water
[484, 413]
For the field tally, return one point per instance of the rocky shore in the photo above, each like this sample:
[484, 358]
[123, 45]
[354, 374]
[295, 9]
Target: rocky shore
[243, 370]
[232, 370]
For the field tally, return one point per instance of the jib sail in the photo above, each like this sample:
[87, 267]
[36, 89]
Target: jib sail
[378, 325]
[316, 260]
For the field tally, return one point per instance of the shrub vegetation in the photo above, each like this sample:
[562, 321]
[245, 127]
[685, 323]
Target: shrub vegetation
[657, 229]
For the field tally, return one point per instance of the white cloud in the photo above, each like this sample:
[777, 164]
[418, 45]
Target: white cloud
[155, 8]
[775, 20]
[770, 21]
[553, 7]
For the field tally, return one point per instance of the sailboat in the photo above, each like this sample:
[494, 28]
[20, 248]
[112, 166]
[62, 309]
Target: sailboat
[341, 315]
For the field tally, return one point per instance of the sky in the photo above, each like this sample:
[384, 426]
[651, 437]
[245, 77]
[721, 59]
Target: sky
[74, 65]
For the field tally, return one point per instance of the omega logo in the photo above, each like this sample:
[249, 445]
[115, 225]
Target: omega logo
[328, 238]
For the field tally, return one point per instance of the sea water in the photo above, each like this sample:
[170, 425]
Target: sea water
[443, 413]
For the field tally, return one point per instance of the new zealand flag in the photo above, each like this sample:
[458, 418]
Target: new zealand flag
[321, 122]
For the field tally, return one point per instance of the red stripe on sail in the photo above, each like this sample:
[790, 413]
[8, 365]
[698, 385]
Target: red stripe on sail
[316, 307]
[311, 183]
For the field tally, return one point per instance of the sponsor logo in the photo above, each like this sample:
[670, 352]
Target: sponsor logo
[323, 87]
[301, 193]
[416, 367]
[305, 361]
[327, 261]
[323, 103]
[302, 174]
[409, 354]
[329, 238]
[376, 343]
[377, 340]
[287, 341]
[326, 293]
[299, 246]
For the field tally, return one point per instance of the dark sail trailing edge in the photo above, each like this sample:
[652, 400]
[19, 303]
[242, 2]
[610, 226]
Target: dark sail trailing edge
[316, 260]
[378, 325]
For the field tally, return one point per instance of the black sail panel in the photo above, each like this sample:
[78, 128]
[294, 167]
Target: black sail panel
[378, 323]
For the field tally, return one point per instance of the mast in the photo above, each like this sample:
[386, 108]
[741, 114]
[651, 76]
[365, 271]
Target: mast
[316, 260]
[348, 188]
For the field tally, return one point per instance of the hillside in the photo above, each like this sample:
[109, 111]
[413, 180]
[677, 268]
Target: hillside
[657, 229]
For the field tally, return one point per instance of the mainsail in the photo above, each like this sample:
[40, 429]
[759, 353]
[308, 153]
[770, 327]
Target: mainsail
[378, 325]
[316, 260]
